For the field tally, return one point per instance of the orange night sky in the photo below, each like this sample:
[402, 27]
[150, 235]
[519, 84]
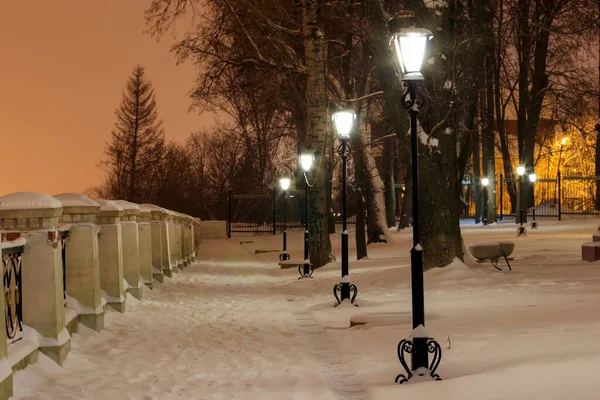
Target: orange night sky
[63, 64]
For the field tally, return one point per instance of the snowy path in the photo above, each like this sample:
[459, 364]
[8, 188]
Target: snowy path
[217, 330]
[235, 326]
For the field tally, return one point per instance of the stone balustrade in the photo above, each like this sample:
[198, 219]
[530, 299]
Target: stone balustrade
[72, 255]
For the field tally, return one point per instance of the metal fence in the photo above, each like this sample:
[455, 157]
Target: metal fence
[262, 212]
[553, 197]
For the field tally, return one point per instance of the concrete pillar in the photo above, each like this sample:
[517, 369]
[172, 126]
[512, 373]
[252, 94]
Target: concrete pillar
[189, 238]
[145, 237]
[6, 375]
[182, 236]
[196, 236]
[131, 248]
[82, 256]
[166, 229]
[110, 245]
[157, 220]
[179, 230]
[173, 242]
[36, 216]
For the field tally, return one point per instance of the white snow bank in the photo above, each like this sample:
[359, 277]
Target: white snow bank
[76, 200]
[75, 305]
[28, 201]
[126, 205]
[109, 205]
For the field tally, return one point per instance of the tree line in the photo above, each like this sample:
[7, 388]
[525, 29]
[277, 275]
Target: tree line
[279, 68]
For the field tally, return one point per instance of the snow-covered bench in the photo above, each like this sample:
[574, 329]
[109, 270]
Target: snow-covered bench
[493, 252]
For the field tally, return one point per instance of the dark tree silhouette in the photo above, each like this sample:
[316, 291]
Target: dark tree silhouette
[134, 153]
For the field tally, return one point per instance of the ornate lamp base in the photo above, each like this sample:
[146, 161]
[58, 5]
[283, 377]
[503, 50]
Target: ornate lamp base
[345, 289]
[521, 231]
[284, 256]
[534, 225]
[408, 346]
[305, 270]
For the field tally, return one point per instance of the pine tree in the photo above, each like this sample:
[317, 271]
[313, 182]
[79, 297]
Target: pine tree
[137, 143]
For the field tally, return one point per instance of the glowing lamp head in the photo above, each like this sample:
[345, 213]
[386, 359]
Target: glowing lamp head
[306, 160]
[485, 181]
[563, 141]
[284, 183]
[409, 46]
[344, 121]
[520, 170]
[532, 177]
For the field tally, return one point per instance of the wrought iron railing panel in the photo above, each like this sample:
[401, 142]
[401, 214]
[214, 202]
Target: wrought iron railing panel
[13, 290]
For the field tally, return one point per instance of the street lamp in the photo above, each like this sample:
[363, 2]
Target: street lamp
[344, 123]
[558, 196]
[521, 230]
[485, 182]
[532, 179]
[285, 185]
[409, 46]
[306, 160]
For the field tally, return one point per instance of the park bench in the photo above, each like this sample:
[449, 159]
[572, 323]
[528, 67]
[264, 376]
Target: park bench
[492, 252]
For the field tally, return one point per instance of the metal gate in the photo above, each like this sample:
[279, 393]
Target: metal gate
[262, 212]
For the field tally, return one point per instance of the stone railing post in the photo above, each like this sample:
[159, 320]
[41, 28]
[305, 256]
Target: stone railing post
[131, 247]
[36, 216]
[157, 216]
[175, 243]
[110, 245]
[82, 258]
[182, 238]
[145, 238]
[168, 245]
[196, 236]
[190, 238]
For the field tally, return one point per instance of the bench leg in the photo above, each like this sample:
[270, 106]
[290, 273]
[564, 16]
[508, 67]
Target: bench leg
[495, 263]
[506, 259]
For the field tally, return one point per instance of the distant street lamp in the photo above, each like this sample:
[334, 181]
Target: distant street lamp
[305, 269]
[533, 179]
[485, 182]
[409, 45]
[344, 123]
[285, 185]
[558, 195]
[521, 230]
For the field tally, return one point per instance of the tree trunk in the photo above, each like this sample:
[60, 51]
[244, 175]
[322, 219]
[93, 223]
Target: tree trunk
[406, 210]
[372, 185]
[316, 136]
[476, 175]
[361, 239]
[389, 150]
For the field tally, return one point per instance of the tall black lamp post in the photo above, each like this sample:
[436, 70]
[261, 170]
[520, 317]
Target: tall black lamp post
[305, 269]
[521, 230]
[532, 179]
[485, 182]
[344, 123]
[285, 185]
[409, 45]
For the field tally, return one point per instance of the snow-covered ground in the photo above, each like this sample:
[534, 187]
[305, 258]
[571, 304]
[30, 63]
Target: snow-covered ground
[234, 325]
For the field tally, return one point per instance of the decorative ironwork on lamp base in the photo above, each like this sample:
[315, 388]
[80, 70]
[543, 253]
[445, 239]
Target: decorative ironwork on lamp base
[346, 290]
[284, 256]
[521, 231]
[407, 346]
[305, 270]
[534, 225]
